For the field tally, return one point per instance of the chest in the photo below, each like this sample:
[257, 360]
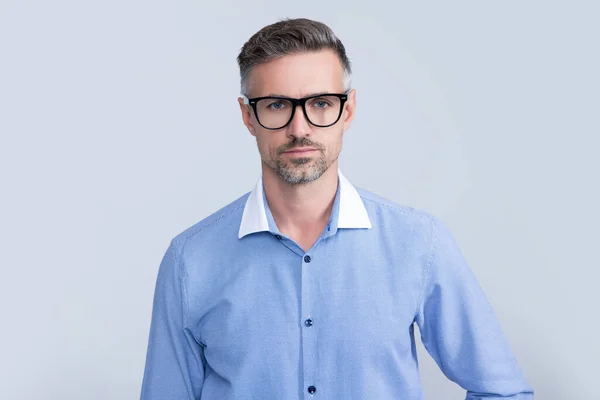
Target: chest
[267, 303]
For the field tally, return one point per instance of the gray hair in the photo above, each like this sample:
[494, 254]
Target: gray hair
[286, 37]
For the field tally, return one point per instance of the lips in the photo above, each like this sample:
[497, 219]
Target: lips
[304, 150]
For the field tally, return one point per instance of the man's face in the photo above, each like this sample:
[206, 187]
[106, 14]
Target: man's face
[296, 76]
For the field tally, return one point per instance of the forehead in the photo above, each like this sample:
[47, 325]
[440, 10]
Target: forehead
[298, 75]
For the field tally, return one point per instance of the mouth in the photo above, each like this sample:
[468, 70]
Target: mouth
[300, 151]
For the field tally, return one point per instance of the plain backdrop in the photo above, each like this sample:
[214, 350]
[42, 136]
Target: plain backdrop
[120, 128]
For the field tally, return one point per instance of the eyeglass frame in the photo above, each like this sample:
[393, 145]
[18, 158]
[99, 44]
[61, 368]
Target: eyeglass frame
[295, 103]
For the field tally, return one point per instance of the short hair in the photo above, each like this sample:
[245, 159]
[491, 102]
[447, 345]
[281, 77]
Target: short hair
[287, 37]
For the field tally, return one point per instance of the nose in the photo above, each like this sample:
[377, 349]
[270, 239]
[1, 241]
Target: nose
[299, 126]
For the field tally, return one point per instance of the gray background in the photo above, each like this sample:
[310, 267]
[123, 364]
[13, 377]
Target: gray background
[120, 128]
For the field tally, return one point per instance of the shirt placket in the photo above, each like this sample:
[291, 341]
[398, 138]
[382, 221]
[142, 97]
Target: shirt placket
[308, 321]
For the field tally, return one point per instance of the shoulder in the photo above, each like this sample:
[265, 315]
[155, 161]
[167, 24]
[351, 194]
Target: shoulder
[223, 223]
[416, 228]
[381, 207]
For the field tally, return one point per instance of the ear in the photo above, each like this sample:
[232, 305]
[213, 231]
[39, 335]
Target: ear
[246, 115]
[349, 109]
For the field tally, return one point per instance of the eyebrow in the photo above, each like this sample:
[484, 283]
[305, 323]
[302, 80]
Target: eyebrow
[288, 97]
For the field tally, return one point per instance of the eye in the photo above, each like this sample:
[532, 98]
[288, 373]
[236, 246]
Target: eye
[276, 105]
[320, 103]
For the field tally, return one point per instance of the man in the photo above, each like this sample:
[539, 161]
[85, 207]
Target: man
[308, 287]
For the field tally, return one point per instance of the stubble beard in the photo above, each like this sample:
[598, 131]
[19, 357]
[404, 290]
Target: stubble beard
[300, 170]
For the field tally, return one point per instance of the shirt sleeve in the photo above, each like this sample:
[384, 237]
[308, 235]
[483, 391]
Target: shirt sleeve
[460, 330]
[175, 360]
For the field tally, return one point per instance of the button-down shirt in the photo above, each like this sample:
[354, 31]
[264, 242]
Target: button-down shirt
[241, 311]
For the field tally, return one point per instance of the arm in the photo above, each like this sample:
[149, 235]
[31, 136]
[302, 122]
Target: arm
[174, 361]
[459, 328]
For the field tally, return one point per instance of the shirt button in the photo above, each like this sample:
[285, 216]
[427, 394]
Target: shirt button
[306, 258]
[278, 237]
[312, 389]
[308, 322]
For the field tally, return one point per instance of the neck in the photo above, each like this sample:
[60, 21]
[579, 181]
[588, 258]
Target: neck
[304, 207]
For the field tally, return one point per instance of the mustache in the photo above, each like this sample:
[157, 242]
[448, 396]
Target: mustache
[296, 143]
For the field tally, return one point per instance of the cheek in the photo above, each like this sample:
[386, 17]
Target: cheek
[267, 145]
[334, 144]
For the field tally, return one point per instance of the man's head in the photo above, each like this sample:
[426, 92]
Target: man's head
[295, 59]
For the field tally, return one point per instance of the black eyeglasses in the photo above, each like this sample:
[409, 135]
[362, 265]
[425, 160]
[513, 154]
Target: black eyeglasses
[321, 110]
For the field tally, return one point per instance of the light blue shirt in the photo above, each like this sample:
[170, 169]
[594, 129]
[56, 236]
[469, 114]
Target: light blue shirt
[242, 312]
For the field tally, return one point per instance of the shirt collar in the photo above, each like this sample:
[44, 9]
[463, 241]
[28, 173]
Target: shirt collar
[352, 211]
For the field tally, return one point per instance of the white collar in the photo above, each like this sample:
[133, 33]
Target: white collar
[352, 212]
